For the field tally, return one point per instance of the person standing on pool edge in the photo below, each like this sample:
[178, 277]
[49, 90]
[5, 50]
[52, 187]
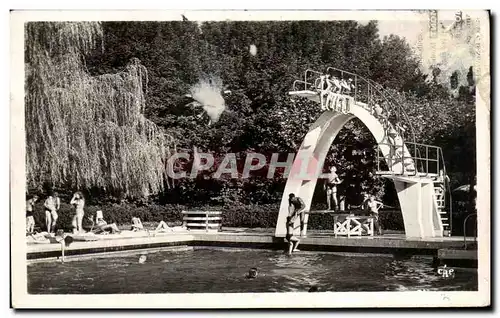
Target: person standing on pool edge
[52, 205]
[331, 189]
[373, 206]
[295, 207]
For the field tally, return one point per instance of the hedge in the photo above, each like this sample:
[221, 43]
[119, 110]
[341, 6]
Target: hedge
[236, 215]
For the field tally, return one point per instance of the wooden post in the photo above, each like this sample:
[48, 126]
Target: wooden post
[335, 229]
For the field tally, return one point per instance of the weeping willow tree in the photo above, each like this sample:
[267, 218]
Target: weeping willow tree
[86, 131]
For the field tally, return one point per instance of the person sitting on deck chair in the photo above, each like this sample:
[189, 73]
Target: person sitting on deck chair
[331, 189]
[137, 224]
[296, 208]
[373, 207]
[103, 226]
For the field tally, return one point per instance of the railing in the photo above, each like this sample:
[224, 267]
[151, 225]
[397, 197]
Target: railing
[465, 234]
[311, 72]
[301, 82]
[429, 162]
[427, 165]
[374, 93]
[448, 191]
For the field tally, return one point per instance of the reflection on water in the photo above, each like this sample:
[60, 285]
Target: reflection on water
[223, 270]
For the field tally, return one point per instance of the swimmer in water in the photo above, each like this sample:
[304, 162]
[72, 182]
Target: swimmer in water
[252, 273]
[142, 259]
[65, 241]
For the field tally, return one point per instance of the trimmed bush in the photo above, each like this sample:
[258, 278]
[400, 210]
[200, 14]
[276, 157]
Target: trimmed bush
[263, 216]
[235, 215]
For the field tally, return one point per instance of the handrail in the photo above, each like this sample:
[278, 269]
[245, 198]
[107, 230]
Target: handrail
[435, 149]
[398, 106]
[465, 223]
[310, 71]
[382, 92]
[407, 118]
[299, 81]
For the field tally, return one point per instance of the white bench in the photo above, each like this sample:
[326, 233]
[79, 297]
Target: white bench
[353, 225]
[208, 221]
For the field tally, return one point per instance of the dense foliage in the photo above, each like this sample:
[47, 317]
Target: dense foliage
[261, 117]
[86, 131]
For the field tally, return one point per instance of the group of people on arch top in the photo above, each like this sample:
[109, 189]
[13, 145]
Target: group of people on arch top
[330, 87]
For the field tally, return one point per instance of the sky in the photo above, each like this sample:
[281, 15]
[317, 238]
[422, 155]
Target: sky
[449, 53]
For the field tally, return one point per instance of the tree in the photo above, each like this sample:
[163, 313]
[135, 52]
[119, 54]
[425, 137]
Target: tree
[86, 131]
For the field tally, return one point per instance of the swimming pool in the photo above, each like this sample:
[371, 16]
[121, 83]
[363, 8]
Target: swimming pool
[222, 270]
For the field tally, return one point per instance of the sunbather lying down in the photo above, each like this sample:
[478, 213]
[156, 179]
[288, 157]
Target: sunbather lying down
[164, 228]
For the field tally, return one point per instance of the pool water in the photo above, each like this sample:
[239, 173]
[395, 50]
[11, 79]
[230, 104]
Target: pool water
[224, 270]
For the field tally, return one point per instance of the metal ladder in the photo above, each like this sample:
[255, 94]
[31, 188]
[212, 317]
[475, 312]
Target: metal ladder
[440, 197]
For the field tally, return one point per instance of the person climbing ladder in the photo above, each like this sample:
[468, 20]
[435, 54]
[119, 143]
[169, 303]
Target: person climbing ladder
[296, 208]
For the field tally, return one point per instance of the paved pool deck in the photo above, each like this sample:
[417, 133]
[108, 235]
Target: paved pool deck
[446, 248]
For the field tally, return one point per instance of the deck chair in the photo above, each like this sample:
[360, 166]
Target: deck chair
[137, 224]
[101, 225]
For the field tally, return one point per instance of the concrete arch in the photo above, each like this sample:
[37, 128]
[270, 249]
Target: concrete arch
[416, 194]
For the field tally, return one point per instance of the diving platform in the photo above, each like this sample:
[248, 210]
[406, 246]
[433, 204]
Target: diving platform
[311, 95]
[417, 170]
